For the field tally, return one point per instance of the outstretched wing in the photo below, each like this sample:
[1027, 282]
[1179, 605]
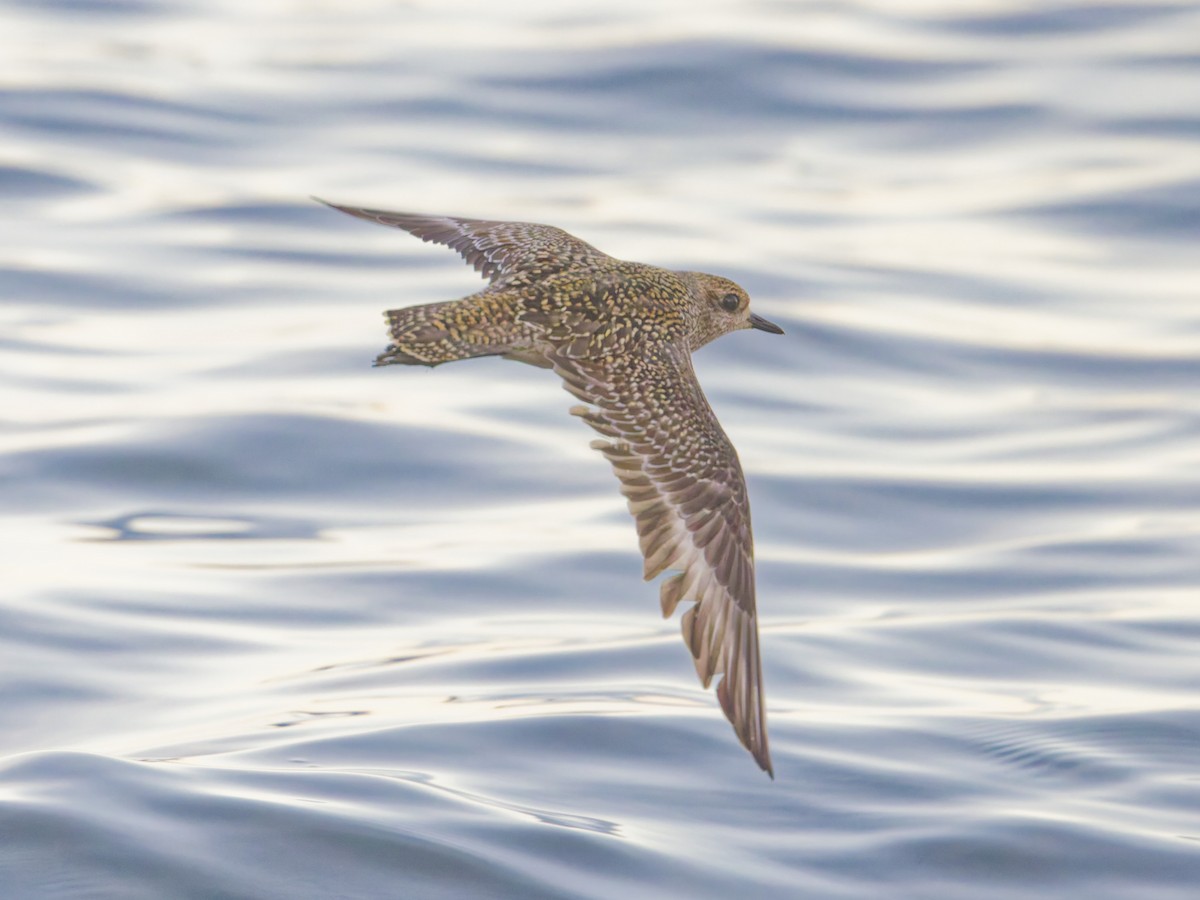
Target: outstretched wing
[685, 488]
[500, 251]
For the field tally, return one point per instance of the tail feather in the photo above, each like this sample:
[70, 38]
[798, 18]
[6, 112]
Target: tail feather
[438, 333]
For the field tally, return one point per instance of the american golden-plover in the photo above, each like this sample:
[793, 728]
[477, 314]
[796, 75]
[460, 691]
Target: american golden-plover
[621, 335]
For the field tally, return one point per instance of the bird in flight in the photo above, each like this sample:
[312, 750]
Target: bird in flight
[621, 336]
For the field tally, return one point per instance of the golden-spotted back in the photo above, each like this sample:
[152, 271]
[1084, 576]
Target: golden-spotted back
[620, 335]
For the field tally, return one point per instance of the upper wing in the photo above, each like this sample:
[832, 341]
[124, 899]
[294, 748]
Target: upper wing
[498, 250]
[685, 488]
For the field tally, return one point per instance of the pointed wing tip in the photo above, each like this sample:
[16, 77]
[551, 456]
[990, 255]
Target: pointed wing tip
[761, 753]
[356, 211]
[379, 216]
[754, 740]
[331, 204]
[762, 756]
[764, 763]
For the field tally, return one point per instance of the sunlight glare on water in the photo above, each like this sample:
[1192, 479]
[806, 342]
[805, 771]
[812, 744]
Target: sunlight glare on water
[276, 623]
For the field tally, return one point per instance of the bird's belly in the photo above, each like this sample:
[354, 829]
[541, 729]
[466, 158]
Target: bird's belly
[529, 355]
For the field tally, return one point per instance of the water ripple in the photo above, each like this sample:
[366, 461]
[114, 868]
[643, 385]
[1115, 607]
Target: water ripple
[277, 623]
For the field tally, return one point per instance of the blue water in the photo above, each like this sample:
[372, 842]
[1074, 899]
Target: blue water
[277, 624]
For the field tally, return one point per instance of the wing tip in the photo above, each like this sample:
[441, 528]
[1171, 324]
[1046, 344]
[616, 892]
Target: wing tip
[757, 744]
[340, 207]
[357, 211]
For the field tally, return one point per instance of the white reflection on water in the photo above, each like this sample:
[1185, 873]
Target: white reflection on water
[388, 627]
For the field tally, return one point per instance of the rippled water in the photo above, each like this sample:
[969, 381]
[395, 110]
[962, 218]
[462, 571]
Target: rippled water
[276, 624]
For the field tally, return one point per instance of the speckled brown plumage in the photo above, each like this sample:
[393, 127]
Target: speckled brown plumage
[620, 335]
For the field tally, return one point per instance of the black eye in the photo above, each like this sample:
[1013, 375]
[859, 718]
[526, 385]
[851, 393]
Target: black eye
[730, 302]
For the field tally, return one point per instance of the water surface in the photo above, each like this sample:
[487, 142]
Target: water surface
[275, 623]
